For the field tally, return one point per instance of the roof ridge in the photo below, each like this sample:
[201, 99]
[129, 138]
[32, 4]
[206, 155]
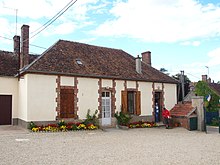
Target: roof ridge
[88, 44]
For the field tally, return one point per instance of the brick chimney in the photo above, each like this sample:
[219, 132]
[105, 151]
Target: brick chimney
[138, 64]
[146, 57]
[209, 80]
[24, 58]
[16, 40]
[204, 78]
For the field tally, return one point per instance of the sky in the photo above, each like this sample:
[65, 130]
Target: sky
[181, 34]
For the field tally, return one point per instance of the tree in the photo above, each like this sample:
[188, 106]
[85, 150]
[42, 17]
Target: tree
[165, 71]
[202, 89]
[179, 87]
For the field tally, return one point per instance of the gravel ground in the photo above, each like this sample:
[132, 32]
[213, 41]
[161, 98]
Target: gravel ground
[147, 146]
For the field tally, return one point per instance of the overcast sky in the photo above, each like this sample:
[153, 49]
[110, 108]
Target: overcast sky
[181, 34]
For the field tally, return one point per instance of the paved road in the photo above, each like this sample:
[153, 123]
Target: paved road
[111, 147]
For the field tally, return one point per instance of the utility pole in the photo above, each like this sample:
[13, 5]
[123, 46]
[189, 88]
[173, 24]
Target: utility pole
[182, 84]
[207, 70]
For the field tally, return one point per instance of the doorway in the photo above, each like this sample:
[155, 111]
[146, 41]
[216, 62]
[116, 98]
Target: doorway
[5, 109]
[106, 108]
[157, 107]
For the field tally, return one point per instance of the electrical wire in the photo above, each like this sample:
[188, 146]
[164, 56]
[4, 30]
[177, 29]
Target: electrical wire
[29, 44]
[6, 38]
[51, 18]
[54, 18]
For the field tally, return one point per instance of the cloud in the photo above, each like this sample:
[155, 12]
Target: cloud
[214, 57]
[162, 21]
[191, 43]
[34, 11]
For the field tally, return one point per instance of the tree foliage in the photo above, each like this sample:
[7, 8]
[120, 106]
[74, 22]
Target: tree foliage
[202, 89]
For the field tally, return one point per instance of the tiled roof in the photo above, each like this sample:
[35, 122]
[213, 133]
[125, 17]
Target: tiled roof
[9, 63]
[96, 62]
[215, 87]
[182, 110]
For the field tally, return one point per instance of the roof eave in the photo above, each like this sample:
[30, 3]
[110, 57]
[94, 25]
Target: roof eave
[91, 76]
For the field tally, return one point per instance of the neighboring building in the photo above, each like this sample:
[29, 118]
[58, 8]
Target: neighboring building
[69, 78]
[182, 112]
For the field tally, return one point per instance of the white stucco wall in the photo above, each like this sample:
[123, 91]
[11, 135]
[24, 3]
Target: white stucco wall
[66, 81]
[87, 96]
[158, 86]
[22, 98]
[106, 83]
[119, 87]
[170, 95]
[9, 86]
[131, 84]
[146, 98]
[41, 97]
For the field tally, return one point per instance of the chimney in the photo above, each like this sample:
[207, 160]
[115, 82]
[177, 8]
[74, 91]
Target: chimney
[146, 57]
[16, 40]
[209, 80]
[138, 64]
[24, 60]
[204, 78]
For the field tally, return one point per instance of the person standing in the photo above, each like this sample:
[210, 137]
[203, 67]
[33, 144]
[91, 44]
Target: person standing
[166, 116]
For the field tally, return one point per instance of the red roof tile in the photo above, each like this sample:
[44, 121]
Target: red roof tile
[96, 62]
[9, 63]
[182, 109]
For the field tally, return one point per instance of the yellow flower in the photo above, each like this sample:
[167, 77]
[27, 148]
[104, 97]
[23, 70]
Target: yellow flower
[35, 129]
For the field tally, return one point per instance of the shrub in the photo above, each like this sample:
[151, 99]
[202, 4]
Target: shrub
[122, 118]
[215, 122]
[91, 119]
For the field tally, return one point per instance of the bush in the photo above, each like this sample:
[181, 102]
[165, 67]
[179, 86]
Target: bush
[91, 119]
[215, 122]
[122, 118]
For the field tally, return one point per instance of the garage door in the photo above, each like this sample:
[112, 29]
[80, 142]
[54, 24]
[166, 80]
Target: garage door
[5, 109]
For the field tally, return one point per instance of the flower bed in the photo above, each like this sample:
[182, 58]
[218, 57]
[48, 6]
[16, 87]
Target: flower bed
[62, 126]
[141, 124]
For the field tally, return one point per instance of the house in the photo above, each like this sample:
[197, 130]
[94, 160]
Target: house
[69, 78]
[182, 112]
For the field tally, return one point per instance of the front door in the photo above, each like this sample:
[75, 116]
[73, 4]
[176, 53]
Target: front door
[157, 107]
[5, 109]
[106, 108]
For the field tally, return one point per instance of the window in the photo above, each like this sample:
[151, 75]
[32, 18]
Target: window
[78, 61]
[130, 102]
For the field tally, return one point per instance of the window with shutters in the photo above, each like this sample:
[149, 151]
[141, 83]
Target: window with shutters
[130, 101]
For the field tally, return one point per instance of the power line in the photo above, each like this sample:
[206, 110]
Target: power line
[54, 18]
[6, 38]
[192, 75]
[37, 46]
[29, 44]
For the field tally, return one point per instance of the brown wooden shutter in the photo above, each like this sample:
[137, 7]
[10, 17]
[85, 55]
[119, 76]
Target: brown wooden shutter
[138, 103]
[124, 101]
[67, 103]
